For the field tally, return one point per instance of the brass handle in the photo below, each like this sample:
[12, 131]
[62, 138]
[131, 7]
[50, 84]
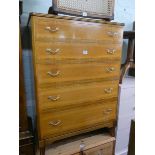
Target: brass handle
[108, 111]
[53, 74]
[112, 34]
[50, 51]
[53, 98]
[111, 51]
[54, 29]
[110, 69]
[82, 146]
[55, 122]
[108, 90]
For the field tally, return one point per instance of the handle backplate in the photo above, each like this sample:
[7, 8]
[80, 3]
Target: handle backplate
[111, 51]
[53, 98]
[51, 29]
[55, 122]
[53, 74]
[107, 111]
[52, 52]
[112, 34]
[110, 69]
[108, 90]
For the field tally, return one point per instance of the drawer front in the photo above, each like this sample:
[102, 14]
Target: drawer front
[62, 122]
[106, 149]
[48, 28]
[59, 97]
[58, 50]
[74, 72]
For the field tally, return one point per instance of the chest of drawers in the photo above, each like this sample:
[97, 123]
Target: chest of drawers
[76, 70]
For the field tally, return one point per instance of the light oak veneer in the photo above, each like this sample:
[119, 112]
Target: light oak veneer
[76, 71]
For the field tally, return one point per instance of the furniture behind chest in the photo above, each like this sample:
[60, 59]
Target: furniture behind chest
[94, 143]
[76, 68]
[26, 138]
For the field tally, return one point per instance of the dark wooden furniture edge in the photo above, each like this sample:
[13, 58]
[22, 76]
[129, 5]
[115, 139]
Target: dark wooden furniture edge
[131, 147]
[128, 34]
[129, 63]
[73, 18]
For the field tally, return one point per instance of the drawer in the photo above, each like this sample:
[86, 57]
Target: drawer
[59, 50]
[59, 97]
[106, 149]
[60, 29]
[59, 123]
[89, 143]
[50, 73]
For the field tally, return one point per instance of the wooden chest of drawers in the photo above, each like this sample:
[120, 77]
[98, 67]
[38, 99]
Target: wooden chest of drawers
[76, 68]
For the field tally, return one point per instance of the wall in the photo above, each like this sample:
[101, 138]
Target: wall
[40, 6]
[124, 12]
[126, 112]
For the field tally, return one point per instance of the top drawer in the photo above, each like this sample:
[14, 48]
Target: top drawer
[61, 29]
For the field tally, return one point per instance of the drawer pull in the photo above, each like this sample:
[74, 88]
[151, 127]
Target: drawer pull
[112, 34]
[108, 111]
[110, 69]
[48, 28]
[111, 51]
[53, 98]
[55, 122]
[82, 146]
[53, 74]
[108, 90]
[50, 51]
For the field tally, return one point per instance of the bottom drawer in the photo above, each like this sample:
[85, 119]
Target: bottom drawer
[95, 143]
[106, 149]
[62, 122]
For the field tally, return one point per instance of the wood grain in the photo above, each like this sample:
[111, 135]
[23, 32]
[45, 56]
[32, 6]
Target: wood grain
[72, 146]
[75, 18]
[65, 120]
[60, 29]
[74, 72]
[106, 149]
[58, 97]
[62, 50]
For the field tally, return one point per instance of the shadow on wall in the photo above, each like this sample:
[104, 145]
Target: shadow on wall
[28, 72]
[124, 49]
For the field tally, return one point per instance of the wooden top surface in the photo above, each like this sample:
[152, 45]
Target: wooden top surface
[76, 18]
